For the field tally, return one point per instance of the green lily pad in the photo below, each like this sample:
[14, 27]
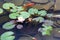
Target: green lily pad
[47, 27]
[42, 13]
[8, 26]
[11, 5]
[13, 15]
[20, 8]
[7, 36]
[1, 10]
[8, 5]
[39, 19]
[46, 33]
[33, 11]
[24, 15]
[13, 10]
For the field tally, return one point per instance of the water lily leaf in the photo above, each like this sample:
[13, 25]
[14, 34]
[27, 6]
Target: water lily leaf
[10, 38]
[20, 8]
[13, 10]
[8, 26]
[49, 28]
[7, 36]
[33, 11]
[11, 5]
[6, 6]
[46, 33]
[13, 15]
[1, 10]
[39, 19]
[24, 15]
[42, 13]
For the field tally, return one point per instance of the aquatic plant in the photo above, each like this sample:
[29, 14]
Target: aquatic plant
[8, 5]
[33, 11]
[21, 14]
[13, 15]
[39, 19]
[24, 15]
[42, 12]
[46, 30]
[7, 36]
[1, 10]
[8, 25]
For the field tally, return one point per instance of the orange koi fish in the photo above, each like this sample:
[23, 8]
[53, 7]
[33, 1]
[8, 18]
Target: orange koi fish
[28, 4]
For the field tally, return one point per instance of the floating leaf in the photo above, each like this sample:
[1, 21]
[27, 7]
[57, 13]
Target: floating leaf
[33, 11]
[13, 15]
[42, 12]
[39, 19]
[46, 33]
[13, 10]
[20, 8]
[1, 10]
[8, 5]
[24, 15]
[8, 26]
[7, 36]
[11, 5]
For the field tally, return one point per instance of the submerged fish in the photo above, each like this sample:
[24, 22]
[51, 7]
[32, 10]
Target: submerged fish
[29, 4]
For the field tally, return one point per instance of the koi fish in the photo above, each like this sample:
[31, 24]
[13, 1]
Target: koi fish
[28, 4]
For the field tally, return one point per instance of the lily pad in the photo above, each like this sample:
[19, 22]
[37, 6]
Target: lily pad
[8, 5]
[1, 10]
[20, 8]
[42, 13]
[39, 19]
[13, 10]
[8, 26]
[24, 15]
[33, 11]
[46, 33]
[11, 5]
[13, 15]
[7, 36]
